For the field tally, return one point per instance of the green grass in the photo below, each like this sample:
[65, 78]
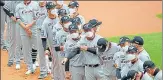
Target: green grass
[152, 44]
[159, 15]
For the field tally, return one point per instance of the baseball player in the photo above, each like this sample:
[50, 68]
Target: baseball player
[88, 44]
[47, 32]
[152, 70]
[120, 56]
[134, 64]
[73, 9]
[76, 59]
[107, 51]
[142, 53]
[26, 16]
[9, 9]
[61, 37]
[78, 22]
[60, 5]
[96, 24]
[2, 23]
[135, 75]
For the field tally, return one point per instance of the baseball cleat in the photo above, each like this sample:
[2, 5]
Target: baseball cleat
[28, 72]
[17, 66]
[10, 64]
[41, 76]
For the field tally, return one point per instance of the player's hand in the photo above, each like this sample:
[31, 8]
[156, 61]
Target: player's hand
[29, 32]
[83, 48]
[64, 61]
[13, 18]
[28, 26]
[115, 65]
[61, 48]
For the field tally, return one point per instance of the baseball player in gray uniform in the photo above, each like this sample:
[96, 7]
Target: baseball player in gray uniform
[120, 56]
[61, 13]
[73, 9]
[61, 37]
[142, 53]
[135, 75]
[47, 32]
[76, 60]
[2, 23]
[152, 70]
[9, 9]
[134, 64]
[88, 45]
[26, 16]
[107, 51]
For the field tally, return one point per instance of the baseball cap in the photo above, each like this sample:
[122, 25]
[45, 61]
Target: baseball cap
[123, 40]
[131, 74]
[76, 20]
[65, 19]
[50, 5]
[101, 43]
[95, 22]
[62, 12]
[87, 26]
[73, 27]
[148, 64]
[132, 49]
[73, 4]
[138, 40]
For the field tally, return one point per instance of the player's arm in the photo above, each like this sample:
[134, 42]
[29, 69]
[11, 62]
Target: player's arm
[89, 49]
[2, 3]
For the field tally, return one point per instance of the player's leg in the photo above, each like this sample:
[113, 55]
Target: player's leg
[18, 47]
[42, 60]
[11, 50]
[58, 70]
[68, 75]
[98, 71]
[27, 49]
[89, 73]
[77, 73]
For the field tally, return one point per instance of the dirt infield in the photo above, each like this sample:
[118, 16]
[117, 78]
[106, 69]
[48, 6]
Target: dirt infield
[118, 18]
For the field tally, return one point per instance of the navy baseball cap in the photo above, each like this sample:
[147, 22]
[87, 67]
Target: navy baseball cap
[132, 49]
[62, 12]
[65, 19]
[76, 20]
[148, 64]
[73, 4]
[87, 26]
[95, 22]
[50, 5]
[123, 40]
[102, 43]
[138, 40]
[131, 74]
[73, 27]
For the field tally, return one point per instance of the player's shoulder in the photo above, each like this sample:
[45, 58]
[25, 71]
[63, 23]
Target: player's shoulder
[19, 4]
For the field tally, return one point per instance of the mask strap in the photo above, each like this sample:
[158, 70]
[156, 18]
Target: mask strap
[156, 71]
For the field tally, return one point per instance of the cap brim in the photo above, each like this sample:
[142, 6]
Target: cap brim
[99, 23]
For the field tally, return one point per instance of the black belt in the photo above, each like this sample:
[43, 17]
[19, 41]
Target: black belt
[96, 65]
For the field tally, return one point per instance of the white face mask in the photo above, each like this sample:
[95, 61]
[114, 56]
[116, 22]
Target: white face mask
[130, 57]
[89, 34]
[124, 49]
[80, 27]
[72, 11]
[67, 24]
[54, 12]
[74, 35]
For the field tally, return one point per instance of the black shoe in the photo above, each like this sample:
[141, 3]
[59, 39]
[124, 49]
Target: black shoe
[10, 64]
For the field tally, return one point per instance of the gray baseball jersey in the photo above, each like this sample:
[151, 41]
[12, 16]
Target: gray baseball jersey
[120, 59]
[89, 57]
[108, 62]
[27, 14]
[158, 76]
[41, 15]
[138, 66]
[144, 56]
